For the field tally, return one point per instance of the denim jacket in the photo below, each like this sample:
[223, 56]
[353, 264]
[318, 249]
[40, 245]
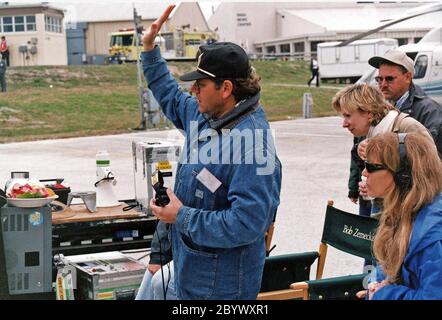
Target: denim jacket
[218, 237]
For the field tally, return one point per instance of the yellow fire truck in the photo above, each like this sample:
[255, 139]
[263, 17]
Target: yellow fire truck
[184, 45]
[123, 48]
[177, 45]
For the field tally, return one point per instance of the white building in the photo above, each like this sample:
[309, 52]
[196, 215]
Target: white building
[295, 28]
[34, 33]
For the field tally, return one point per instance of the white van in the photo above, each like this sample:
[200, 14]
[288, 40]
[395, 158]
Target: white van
[350, 62]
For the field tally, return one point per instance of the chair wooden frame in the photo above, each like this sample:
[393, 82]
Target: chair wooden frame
[284, 294]
[299, 289]
[304, 286]
[268, 238]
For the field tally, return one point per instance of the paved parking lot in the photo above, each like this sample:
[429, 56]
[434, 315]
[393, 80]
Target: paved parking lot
[315, 154]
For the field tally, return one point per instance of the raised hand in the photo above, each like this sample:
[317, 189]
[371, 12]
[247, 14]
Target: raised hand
[155, 27]
[362, 148]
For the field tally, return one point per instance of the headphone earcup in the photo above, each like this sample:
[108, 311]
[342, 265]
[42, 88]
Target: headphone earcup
[403, 179]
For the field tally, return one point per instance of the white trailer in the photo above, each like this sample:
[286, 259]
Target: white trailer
[350, 62]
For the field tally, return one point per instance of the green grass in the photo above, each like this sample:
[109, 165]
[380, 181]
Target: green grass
[56, 102]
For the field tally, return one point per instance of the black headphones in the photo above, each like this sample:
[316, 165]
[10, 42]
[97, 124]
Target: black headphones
[402, 176]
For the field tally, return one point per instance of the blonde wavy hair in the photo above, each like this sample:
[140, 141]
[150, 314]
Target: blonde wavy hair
[362, 97]
[400, 209]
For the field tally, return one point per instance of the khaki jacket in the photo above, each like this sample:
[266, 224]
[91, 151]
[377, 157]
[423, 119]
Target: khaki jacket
[404, 124]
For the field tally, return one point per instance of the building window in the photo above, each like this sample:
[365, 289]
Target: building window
[299, 47]
[17, 24]
[7, 24]
[47, 23]
[402, 41]
[314, 46]
[271, 49]
[284, 48]
[53, 24]
[30, 23]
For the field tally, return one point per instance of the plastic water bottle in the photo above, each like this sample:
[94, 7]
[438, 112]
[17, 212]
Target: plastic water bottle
[103, 167]
[105, 181]
[103, 159]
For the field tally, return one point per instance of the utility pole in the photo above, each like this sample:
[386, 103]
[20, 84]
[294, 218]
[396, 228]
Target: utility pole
[144, 97]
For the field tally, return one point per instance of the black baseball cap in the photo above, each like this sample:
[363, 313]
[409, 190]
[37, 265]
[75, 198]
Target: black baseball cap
[225, 60]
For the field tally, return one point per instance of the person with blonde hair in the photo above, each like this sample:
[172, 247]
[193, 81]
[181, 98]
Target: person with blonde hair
[406, 172]
[367, 113]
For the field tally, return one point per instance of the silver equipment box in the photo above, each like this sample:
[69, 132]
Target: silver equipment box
[148, 157]
[106, 276]
[27, 241]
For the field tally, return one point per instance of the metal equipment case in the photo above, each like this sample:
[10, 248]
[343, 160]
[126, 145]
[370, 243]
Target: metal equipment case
[107, 276]
[102, 236]
[148, 157]
[28, 248]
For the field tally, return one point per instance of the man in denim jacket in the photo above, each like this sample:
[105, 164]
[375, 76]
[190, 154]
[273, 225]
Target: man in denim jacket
[228, 180]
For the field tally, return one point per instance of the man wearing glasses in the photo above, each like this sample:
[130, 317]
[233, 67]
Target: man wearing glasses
[223, 202]
[395, 80]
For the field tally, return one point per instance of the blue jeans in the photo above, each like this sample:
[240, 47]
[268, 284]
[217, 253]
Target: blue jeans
[151, 287]
[365, 210]
[375, 209]
[364, 207]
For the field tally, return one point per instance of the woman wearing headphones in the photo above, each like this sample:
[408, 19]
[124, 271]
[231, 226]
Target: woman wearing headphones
[406, 172]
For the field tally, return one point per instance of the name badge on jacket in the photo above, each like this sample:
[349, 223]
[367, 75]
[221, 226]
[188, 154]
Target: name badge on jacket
[208, 180]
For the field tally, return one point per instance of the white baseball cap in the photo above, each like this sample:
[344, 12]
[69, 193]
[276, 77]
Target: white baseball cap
[396, 57]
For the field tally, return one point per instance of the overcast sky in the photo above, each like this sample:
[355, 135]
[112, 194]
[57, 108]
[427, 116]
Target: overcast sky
[206, 5]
